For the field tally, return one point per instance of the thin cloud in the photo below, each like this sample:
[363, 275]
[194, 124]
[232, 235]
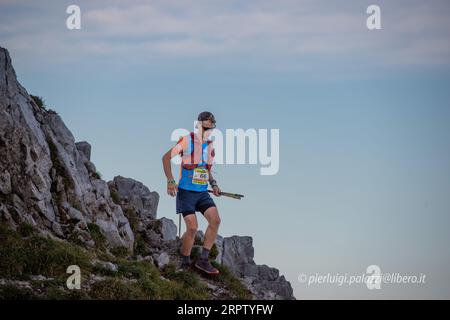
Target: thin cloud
[282, 31]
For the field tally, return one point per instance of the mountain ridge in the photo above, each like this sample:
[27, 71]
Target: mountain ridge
[50, 188]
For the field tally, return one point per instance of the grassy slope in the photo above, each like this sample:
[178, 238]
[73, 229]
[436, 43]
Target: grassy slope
[24, 253]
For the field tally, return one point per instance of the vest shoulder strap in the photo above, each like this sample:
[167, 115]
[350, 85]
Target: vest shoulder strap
[192, 147]
[179, 141]
[193, 165]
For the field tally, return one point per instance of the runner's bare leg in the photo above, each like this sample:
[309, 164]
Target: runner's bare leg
[189, 235]
[212, 215]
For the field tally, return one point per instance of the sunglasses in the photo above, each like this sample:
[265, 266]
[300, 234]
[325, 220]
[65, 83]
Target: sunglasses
[213, 123]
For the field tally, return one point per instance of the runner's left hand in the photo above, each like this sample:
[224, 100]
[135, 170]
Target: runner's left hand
[216, 191]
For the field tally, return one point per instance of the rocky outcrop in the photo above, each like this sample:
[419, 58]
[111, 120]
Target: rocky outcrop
[167, 229]
[263, 281]
[237, 253]
[133, 196]
[47, 180]
[85, 149]
[140, 206]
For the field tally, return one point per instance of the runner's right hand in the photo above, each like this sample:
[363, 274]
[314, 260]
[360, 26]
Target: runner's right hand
[172, 189]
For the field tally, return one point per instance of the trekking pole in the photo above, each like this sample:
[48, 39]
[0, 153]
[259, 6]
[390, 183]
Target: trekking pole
[230, 195]
[179, 225]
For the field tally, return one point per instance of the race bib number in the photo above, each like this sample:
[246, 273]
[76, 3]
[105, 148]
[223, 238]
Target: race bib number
[200, 176]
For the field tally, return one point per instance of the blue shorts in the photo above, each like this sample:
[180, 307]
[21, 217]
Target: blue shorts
[190, 201]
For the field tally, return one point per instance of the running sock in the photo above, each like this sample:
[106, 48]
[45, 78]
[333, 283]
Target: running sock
[205, 253]
[186, 259]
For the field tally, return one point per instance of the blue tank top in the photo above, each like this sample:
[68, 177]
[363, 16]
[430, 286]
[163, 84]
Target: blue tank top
[195, 179]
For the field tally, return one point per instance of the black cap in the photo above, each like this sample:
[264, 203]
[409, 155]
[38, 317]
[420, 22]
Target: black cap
[206, 115]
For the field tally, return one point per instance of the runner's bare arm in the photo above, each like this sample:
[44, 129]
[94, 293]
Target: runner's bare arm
[213, 183]
[166, 165]
[171, 184]
[211, 178]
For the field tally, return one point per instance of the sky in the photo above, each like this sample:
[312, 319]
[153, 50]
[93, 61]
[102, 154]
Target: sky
[363, 117]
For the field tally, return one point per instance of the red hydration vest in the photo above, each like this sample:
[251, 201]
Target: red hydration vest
[192, 165]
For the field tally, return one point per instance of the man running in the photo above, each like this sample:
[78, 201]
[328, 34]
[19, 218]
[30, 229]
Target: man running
[197, 155]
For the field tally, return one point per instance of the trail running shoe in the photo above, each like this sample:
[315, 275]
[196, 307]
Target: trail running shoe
[206, 266]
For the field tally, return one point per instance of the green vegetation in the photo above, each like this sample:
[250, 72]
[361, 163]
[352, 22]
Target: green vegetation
[115, 196]
[231, 282]
[117, 289]
[97, 235]
[74, 238]
[26, 230]
[213, 253]
[33, 255]
[60, 169]
[142, 280]
[188, 281]
[96, 175]
[24, 253]
[139, 246]
[133, 219]
[121, 252]
[38, 100]
[156, 225]
[11, 292]
[195, 252]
